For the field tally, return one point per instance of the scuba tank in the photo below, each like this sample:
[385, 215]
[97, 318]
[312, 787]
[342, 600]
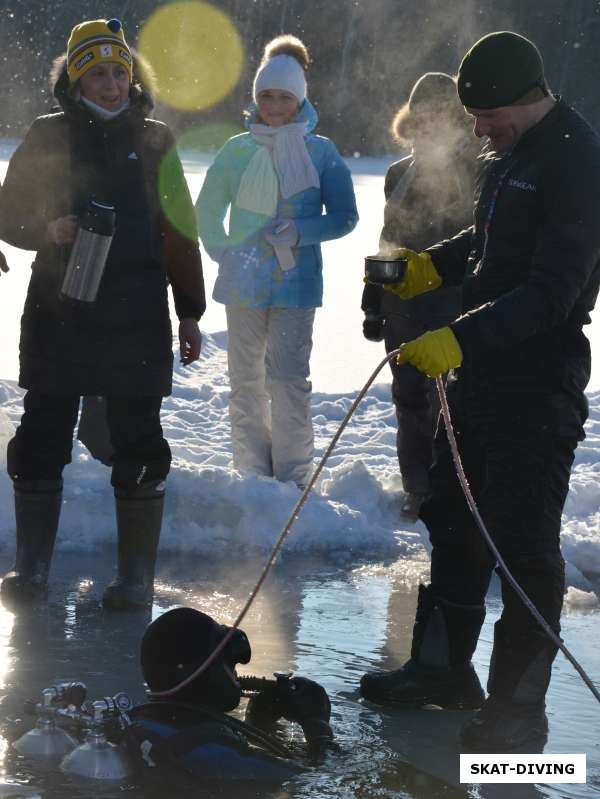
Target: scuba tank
[97, 757]
[47, 740]
[89, 253]
[113, 739]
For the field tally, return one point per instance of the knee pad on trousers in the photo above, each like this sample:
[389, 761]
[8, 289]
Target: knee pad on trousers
[150, 489]
[132, 474]
[21, 470]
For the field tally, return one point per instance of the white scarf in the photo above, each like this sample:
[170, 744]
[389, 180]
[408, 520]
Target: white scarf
[280, 165]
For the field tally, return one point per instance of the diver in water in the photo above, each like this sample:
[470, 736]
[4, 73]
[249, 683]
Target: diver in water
[191, 730]
[184, 729]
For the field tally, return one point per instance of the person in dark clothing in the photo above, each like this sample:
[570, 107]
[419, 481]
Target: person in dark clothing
[99, 146]
[189, 729]
[529, 270]
[3, 265]
[429, 196]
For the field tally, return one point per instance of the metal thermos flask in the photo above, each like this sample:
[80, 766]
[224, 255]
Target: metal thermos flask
[89, 253]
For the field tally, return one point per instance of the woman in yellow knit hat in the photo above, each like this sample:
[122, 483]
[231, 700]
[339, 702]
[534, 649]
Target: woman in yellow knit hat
[100, 151]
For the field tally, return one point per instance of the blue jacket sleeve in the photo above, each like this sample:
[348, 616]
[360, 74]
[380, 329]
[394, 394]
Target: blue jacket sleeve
[337, 194]
[212, 205]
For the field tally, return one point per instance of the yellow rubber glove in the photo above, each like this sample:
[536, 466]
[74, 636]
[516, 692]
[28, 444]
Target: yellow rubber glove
[421, 275]
[433, 353]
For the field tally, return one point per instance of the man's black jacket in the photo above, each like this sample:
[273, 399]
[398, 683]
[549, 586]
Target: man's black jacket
[529, 266]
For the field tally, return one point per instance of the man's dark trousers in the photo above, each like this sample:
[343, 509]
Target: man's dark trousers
[517, 459]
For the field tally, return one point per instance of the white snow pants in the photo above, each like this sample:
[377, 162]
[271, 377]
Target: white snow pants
[269, 404]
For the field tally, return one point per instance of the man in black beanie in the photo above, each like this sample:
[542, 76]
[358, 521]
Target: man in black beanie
[529, 270]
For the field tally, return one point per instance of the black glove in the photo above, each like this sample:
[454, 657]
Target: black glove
[306, 702]
[374, 322]
[319, 738]
[373, 329]
[295, 699]
[301, 699]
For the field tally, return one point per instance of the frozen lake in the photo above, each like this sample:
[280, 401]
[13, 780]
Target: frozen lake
[340, 601]
[324, 621]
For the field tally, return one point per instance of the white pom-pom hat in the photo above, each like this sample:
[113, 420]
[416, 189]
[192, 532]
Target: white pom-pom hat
[281, 72]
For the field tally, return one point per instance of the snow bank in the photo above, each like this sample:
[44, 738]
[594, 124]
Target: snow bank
[212, 510]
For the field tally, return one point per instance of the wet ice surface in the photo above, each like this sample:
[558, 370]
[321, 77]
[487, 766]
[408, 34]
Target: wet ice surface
[312, 618]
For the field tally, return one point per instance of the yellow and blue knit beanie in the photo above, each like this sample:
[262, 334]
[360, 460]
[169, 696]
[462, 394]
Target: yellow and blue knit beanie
[96, 42]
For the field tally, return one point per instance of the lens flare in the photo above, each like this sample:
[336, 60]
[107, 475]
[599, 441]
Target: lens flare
[207, 138]
[195, 51]
[192, 145]
[172, 199]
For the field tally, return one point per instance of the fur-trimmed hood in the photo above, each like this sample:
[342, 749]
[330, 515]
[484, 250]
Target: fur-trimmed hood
[140, 93]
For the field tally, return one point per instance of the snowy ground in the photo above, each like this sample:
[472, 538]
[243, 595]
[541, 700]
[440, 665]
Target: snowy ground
[350, 529]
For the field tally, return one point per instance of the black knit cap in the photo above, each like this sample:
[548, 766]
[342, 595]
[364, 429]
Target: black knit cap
[179, 641]
[498, 70]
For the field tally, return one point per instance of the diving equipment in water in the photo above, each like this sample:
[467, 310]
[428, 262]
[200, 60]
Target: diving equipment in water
[178, 642]
[296, 699]
[46, 740]
[97, 758]
[118, 738]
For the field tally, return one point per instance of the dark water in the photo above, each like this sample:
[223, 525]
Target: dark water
[311, 618]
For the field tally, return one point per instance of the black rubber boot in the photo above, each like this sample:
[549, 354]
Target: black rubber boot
[439, 671]
[139, 519]
[37, 511]
[514, 714]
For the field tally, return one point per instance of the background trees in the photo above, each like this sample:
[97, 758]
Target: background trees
[367, 53]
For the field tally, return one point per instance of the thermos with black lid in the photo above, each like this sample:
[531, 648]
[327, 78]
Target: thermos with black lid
[385, 269]
[89, 253]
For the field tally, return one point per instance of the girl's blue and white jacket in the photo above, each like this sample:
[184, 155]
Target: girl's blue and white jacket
[249, 273]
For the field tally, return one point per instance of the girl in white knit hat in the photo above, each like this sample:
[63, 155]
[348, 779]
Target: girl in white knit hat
[287, 190]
